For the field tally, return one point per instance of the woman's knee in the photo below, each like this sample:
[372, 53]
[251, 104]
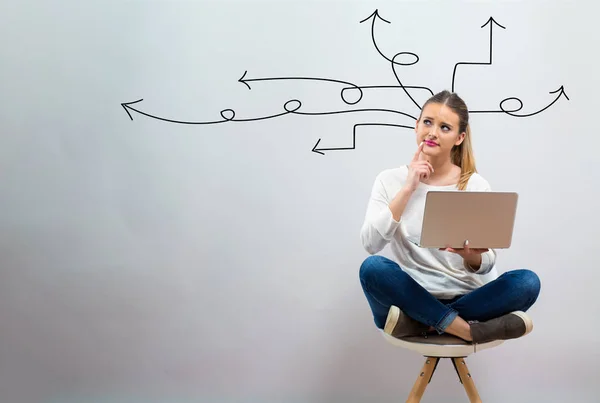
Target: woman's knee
[370, 266]
[528, 281]
[374, 266]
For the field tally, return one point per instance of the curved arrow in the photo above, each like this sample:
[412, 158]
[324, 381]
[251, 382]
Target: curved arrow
[491, 21]
[560, 91]
[127, 106]
[228, 115]
[317, 150]
[291, 107]
[373, 17]
[349, 85]
[245, 80]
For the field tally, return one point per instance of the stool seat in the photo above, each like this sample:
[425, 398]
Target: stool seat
[440, 345]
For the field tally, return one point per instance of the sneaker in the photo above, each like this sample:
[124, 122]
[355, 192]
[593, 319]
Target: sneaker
[398, 324]
[444, 339]
[510, 326]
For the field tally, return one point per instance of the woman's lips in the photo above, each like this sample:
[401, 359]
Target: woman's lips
[430, 143]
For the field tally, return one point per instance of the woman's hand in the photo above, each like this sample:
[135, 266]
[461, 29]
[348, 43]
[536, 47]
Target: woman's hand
[419, 169]
[472, 256]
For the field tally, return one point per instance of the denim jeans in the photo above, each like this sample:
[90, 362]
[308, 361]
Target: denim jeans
[385, 283]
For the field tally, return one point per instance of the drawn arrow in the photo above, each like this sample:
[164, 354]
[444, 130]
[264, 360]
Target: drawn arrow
[349, 85]
[560, 91]
[374, 17]
[491, 22]
[317, 150]
[291, 107]
[128, 108]
[228, 115]
[245, 81]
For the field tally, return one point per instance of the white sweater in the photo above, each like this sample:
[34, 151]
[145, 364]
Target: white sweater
[442, 273]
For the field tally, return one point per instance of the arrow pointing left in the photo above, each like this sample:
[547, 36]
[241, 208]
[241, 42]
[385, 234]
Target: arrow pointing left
[228, 115]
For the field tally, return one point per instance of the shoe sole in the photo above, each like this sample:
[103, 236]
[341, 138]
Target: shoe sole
[442, 350]
[392, 319]
[526, 319]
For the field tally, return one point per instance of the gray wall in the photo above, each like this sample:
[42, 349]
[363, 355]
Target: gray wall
[149, 261]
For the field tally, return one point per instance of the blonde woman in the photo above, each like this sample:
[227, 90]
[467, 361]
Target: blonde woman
[420, 290]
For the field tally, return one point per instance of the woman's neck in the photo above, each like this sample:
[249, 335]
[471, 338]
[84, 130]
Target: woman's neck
[444, 172]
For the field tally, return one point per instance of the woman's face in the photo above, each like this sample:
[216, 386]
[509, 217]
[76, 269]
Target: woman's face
[438, 127]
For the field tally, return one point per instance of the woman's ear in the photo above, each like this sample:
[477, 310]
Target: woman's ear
[460, 139]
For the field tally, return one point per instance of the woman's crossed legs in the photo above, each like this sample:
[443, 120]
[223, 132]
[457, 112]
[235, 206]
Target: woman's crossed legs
[495, 310]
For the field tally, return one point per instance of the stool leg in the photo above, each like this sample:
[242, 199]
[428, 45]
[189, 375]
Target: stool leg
[465, 378]
[424, 378]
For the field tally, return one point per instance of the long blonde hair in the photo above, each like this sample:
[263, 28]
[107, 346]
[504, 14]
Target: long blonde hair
[462, 154]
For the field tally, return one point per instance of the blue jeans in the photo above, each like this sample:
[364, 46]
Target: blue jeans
[385, 283]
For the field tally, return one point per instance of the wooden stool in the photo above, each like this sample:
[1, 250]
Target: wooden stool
[437, 347]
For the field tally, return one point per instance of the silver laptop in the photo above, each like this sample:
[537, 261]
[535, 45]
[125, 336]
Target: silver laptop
[486, 219]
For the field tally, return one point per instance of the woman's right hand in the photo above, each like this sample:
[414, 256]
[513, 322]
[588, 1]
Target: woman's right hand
[419, 169]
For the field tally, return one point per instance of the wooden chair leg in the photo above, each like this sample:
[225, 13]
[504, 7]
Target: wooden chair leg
[423, 380]
[465, 378]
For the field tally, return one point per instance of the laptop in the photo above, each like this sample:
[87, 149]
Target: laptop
[485, 218]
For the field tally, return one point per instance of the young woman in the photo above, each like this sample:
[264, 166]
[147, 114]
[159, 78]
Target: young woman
[429, 290]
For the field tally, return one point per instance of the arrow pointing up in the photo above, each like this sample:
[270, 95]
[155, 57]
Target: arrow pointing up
[375, 16]
[491, 21]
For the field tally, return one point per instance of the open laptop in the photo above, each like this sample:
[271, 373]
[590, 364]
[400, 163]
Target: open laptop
[485, 218]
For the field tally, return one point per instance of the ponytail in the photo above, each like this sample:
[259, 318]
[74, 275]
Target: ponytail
[462, 155]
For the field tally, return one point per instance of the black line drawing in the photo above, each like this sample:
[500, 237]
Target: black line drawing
[491, 22]
[320, 150]
[293, 106]
[374, 17]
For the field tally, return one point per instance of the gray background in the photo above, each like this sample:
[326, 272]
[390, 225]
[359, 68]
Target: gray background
[147, 261]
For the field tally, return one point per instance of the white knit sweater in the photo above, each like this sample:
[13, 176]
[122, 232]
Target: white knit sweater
[442, 273]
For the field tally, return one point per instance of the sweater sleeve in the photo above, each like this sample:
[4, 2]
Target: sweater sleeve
[379, 225]
[488, 259]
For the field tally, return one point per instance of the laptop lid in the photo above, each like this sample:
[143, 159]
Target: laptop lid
[486, 219]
